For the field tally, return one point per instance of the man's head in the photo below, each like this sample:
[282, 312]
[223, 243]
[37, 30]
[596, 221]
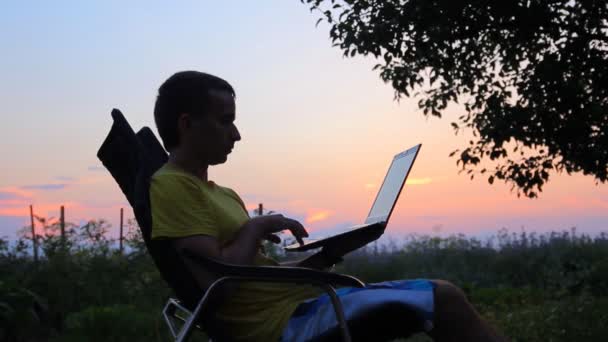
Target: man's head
[195, 113]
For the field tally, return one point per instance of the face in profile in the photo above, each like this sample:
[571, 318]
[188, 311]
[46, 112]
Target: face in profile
[211, 137]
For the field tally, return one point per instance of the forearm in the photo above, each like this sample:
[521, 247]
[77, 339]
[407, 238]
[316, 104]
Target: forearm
[243, 248]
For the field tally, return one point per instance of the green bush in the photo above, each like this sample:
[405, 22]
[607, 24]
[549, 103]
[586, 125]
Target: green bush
[23, 314]
[112, 323]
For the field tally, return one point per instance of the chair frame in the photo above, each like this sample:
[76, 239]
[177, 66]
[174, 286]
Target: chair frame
[237, 273]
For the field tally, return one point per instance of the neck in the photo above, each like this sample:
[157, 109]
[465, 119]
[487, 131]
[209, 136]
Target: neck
[190, 165]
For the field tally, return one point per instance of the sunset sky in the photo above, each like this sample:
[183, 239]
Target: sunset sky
[318, 130]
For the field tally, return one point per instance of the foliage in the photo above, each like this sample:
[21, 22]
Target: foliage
[112, 323]
[23, 314]
[557, 263]
[532, 76]
[533, 287]
[567, 319]
[83, 274]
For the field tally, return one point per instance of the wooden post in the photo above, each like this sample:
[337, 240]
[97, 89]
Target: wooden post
[62, 225]
[261, 209]
[34, 239]
[120, 239]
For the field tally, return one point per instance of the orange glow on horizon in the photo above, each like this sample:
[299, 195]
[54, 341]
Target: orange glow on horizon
[46, 210]
[418, 181]
[318, 216]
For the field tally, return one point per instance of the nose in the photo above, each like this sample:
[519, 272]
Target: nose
[236, 136]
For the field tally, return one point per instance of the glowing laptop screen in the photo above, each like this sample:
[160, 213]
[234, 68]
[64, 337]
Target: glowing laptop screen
[392, 185]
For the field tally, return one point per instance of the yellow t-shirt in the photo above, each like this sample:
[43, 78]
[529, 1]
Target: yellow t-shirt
[184, 205]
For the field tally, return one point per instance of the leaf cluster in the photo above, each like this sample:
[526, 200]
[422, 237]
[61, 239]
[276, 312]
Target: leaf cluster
[532, 76]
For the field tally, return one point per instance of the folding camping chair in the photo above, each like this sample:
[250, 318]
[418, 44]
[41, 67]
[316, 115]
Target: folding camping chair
[132, 159]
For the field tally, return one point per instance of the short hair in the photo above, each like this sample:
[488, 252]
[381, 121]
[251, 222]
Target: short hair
[184, 92]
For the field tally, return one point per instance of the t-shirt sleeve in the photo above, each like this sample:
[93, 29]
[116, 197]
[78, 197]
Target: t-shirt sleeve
[234, 195]
[179, 208]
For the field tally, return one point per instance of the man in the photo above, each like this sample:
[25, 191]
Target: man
[195, 114]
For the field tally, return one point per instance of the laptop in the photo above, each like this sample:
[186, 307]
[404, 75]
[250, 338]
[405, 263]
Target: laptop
[383, 205]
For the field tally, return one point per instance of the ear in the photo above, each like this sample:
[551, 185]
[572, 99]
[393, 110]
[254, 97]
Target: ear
[184, 121]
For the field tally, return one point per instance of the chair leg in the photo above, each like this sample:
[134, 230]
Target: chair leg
[184, 333]
[169, 315]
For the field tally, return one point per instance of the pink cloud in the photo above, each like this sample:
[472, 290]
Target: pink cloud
[14, 193]
[49, 186]
[14, 201]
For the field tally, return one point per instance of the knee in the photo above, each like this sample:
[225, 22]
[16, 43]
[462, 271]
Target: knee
[448, 294]
[455, 317]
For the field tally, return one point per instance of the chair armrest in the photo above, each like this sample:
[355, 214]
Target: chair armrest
[295, 274]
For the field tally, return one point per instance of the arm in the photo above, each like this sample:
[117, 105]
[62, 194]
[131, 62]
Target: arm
[242, 249]
[191, 225]
[239, 251]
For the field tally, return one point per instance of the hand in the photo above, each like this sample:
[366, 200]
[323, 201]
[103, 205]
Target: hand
[267, 225]
[272, 238]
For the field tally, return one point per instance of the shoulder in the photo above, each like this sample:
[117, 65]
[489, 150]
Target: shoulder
[170, 183]
[169, 175]
[228, 191]
[231, 193]
[180, 206]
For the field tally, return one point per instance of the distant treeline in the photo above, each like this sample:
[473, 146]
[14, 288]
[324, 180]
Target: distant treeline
[534, 287]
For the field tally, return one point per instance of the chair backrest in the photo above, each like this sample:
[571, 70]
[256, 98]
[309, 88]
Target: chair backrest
[132, 159]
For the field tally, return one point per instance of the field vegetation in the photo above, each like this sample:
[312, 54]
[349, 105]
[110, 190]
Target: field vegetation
[533, 287]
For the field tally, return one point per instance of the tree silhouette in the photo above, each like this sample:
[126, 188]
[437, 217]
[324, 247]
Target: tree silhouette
[532, 76]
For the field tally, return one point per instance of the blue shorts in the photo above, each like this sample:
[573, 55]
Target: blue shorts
[316, 317]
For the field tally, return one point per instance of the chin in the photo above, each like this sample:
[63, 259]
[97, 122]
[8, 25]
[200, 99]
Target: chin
[218, 161]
